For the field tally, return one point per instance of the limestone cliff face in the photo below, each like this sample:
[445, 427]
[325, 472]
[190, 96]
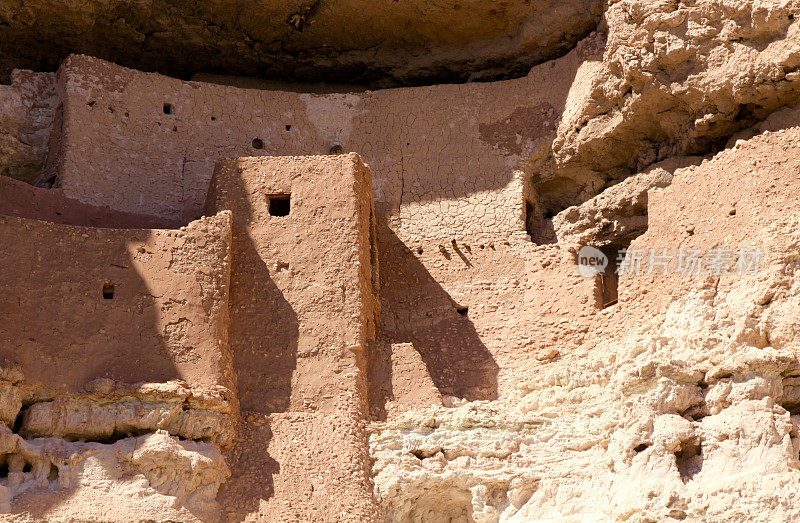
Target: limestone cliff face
[675, 79]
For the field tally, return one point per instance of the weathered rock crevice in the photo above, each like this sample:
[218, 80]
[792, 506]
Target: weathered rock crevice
[165, 434]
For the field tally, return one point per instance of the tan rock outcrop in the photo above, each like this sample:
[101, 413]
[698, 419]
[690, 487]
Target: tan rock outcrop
[675, 79]
[148, 477]
[26, 119]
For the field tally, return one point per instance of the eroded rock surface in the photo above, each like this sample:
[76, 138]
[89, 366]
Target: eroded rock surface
[675, 79]
[349, 41]
[691, 413]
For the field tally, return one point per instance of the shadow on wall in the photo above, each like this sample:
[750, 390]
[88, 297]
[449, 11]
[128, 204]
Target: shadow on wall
[253, 470]
[85, 317]
[263, 339]
[69, 320]
[415, 309]
[263, 330]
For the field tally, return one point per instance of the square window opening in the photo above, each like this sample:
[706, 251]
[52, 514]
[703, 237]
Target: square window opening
[279, 204]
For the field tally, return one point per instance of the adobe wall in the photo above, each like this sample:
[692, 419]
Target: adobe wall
[166, 319]
[120, 148]
[303, 318]
[463, 182]
[23, 200]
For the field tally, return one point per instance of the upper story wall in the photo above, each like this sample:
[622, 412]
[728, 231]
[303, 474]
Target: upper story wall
[443, 157]
[82, 303]
[23, 200]
[303, 302]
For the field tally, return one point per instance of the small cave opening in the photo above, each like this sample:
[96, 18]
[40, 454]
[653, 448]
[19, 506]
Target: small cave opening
[336, 149]
[641, 447]
[167, 108]
[258, 143]
[462, 310]
[108, 290]
[288, 128]
[539, 224]
[689, 459]
[425, 454]
[279, 204]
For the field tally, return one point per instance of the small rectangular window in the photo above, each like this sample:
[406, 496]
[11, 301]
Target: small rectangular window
[279, 204]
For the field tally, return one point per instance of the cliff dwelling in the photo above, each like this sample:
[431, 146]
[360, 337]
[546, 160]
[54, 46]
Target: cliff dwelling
[405, 261]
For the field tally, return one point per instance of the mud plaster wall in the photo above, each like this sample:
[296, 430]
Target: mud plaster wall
[437, 153]
[303, 314]
[446, 166]
[445, 163]
[23, 200]
[166, 319]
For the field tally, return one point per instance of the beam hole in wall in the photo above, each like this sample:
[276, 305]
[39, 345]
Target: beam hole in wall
[167, 108]
[258, 143]
[108, 291]
[337, 149]
[279, 204]
[462, 310]
[288, 127]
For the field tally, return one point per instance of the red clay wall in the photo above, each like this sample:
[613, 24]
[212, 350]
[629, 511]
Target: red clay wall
[303, 316]
[166, 320]
[23, 200]
[444, 169]
[437, 153]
